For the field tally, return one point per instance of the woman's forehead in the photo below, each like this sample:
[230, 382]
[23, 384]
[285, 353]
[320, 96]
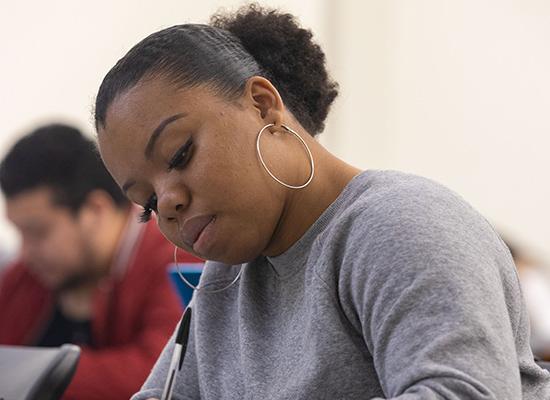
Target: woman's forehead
[119, 153]
[139, 104]
[149, 102]
[122, 139]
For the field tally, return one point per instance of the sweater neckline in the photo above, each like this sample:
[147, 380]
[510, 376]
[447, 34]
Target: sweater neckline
[295, 257]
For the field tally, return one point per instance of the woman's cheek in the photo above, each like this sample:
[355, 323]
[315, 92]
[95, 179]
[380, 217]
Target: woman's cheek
[169, 231]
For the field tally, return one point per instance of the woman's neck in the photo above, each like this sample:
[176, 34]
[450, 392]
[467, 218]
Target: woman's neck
[304, 206]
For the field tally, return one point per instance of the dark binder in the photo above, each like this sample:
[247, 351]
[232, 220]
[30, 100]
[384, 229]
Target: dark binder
[36, 373]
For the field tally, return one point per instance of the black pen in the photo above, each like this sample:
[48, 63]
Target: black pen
[178, 355]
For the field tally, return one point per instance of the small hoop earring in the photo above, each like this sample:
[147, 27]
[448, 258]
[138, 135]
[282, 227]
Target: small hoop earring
[198, 287]
[312, 164]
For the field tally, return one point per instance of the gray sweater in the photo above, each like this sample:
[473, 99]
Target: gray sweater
[400, 290]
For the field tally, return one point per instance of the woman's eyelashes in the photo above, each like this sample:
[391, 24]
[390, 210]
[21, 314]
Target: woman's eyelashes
[181, 157]
[148, 208]
[178, 161]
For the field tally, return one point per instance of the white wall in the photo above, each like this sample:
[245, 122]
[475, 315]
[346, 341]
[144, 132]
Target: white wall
[454, 90]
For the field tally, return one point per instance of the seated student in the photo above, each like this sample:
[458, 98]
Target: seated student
[535, 285]
[89, 273]
[323, 281]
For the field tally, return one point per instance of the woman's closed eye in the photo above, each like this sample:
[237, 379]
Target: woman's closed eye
[178, 161]
[148, 208]
[182, 156]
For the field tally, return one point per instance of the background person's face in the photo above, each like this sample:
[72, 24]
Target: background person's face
[219, 179]
[53, 242]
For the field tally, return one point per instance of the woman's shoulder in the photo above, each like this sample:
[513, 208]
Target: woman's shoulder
[404, 230]
[392, 217]
[377, 202]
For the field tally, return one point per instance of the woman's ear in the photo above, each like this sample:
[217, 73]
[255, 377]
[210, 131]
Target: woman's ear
[264, 97]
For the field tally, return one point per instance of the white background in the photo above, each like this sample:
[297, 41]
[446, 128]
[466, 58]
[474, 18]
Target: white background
[458, 91]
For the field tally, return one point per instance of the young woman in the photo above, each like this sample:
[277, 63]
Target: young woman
[325, 282]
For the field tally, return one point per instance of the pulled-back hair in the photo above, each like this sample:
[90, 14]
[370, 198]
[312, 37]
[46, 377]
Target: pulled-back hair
[60, 158]
[225, 54]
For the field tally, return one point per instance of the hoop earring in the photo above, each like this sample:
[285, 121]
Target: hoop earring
[199, 288]
[312, 164]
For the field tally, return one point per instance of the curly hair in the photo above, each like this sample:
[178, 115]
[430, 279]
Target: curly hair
[254, 41]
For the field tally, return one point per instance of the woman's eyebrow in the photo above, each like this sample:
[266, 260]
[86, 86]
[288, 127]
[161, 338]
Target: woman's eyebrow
[156, 133]
[151, 144]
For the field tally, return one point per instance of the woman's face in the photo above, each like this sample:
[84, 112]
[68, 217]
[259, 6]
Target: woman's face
[189, 155]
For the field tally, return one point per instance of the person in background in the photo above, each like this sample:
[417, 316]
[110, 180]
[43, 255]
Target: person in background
[535, 283]
[89, 273]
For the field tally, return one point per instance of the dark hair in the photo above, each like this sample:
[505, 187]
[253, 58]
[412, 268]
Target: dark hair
[225, 54]
[61, 158]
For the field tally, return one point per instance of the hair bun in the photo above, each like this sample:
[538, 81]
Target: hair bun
[291, 59]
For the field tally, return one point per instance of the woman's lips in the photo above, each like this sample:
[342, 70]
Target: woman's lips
[193, 227]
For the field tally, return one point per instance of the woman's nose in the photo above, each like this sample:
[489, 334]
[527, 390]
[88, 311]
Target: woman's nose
[171, 204]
